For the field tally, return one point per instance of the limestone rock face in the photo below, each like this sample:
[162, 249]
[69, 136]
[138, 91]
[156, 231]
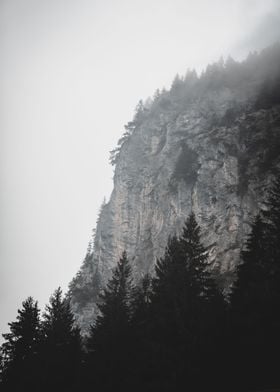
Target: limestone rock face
[212, 151]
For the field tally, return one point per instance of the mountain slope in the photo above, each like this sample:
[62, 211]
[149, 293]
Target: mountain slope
[209, 145]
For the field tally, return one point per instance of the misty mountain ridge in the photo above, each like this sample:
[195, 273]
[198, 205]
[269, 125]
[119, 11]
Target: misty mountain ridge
[256, 79]
[209, 145]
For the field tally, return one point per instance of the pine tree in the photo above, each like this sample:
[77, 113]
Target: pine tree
[258, 275]
[20, 360]
[246, 303]
[141, 298]
[183, 274]
[271, 217]
[186, 306]
[62, 344]
[109, 343]
[247, 295]
[196, 258]
[205, 302]
[255, 298]
[115, 301]
[271, 288]
[140, 332]
[272, 237]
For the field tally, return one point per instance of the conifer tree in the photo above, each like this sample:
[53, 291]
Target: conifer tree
[247, 305]
[196, 260]
[141, 298]
[62, 344]
[258, 276]
[20, 360]
[140, 332]
[271, 217]
[115, 301]
[205, 302]
[272, 262]
[186, 306]
[255, 298]
[184, 272]
[109, 343]
[250, 273]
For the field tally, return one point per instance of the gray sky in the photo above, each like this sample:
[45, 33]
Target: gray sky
[71, 75]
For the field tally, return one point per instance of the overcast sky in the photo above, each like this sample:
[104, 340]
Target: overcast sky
[72, 72]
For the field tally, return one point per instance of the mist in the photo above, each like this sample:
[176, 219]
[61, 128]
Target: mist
[72, 74]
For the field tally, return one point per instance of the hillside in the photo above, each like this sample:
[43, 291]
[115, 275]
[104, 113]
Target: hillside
[210, 145]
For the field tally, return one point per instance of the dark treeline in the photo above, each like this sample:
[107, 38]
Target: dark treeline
[171, 331]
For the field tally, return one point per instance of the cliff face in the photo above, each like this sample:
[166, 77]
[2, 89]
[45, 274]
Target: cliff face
[209, 145]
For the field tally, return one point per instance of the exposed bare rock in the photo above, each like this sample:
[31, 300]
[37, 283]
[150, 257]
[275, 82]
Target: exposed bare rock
[211, 151]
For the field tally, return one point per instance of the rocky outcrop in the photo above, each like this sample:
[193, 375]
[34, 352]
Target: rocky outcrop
[209, 145]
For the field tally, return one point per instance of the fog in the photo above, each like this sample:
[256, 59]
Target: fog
[72, 73]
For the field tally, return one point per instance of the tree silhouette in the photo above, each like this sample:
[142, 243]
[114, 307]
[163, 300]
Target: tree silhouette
[186, 308]
[61, 346]
[255, 299]
[140, 301]
[20, 360]
[109, 341]
[141, 366]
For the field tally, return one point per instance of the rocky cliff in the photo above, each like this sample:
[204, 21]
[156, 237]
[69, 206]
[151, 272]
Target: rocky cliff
[209, 145]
